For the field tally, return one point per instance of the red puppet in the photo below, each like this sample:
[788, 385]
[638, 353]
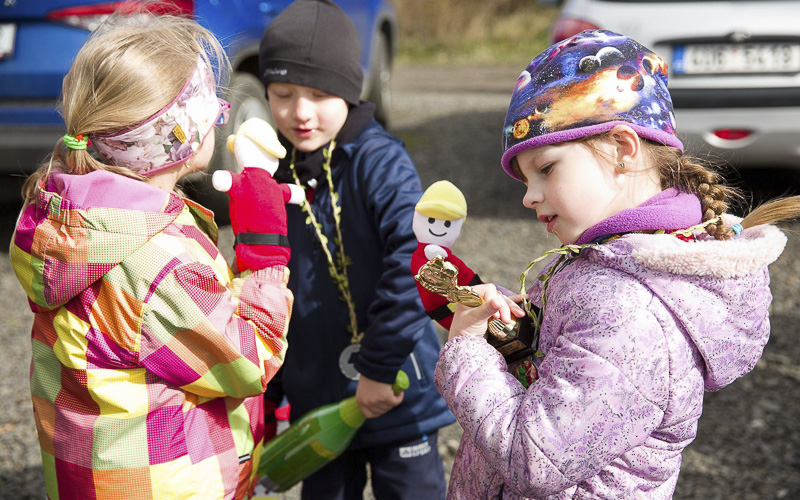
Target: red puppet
[438, 218]
[258, 211]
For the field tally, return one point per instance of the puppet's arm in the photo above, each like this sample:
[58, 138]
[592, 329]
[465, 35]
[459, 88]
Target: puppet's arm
[431, 251]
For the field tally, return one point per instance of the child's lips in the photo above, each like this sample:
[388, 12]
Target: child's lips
[303, 132]
[551, 224]
[550, 220]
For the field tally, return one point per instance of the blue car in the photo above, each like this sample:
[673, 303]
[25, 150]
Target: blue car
[39, 39]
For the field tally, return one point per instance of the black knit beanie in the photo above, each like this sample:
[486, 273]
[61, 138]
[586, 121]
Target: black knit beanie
[313, 43]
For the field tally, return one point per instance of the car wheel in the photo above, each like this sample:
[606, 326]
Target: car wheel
[380, 91]
[248, 100]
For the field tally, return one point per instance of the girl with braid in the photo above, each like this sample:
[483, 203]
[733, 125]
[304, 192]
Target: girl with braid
[657, 294]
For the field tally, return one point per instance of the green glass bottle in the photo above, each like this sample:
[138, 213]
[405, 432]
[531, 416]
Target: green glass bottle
[315, 439]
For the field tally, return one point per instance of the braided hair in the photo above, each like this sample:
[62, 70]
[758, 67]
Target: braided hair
[689, 174]
[679, 170]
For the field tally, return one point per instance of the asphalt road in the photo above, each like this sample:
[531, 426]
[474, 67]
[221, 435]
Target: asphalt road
[748, 443]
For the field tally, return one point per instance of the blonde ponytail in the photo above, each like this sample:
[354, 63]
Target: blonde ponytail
[72, 161]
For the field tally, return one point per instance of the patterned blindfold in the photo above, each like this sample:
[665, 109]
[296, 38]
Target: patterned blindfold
[172, 135]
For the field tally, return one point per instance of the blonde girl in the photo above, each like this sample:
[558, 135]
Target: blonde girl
[149, 356]
[657, 294]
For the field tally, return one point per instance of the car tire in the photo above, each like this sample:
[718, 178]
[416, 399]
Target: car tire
[380, 91]
[248, 100]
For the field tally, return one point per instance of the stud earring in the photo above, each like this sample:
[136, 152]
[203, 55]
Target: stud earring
[622, 165]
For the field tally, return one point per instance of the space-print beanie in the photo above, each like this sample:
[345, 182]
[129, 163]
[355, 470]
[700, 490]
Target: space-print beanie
[586, 85]
[313, 43]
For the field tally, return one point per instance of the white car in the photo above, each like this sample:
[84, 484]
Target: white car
[734, 69]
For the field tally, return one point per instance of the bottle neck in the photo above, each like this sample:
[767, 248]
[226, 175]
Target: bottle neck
[351, 413]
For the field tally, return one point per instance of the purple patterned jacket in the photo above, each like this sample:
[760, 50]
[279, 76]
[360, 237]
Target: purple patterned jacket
[635, 331]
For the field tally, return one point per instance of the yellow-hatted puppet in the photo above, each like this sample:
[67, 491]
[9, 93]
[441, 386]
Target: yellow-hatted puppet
[438, 218]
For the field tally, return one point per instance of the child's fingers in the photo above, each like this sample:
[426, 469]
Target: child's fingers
[512, 301]
[376, 398]
[472, 320]
[506, 309]
[517, 299]
[494, 302]
[503, 306]
[514, 305]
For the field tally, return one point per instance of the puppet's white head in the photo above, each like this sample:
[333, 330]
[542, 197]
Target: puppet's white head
[439, 214]
[256, 144]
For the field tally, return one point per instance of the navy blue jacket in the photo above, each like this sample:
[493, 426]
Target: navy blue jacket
[378, 188]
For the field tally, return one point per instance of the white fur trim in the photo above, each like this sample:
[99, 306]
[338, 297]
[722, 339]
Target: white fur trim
[751, 251]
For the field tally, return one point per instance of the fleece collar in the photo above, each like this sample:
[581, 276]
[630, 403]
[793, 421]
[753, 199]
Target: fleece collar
[671, 210]
[668, 210]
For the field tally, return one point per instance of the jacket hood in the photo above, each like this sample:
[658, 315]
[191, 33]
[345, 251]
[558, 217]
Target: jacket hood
[79, 227]
[730, 325]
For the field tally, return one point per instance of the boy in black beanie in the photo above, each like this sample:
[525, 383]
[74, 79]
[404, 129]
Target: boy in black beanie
[353, 326]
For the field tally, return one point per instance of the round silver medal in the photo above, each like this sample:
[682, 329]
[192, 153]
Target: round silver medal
[346, 361]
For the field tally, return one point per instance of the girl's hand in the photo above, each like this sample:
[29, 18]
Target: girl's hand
[375, 398]
[473, 320]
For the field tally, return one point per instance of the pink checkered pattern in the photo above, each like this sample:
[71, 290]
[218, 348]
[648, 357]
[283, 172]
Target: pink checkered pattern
[149, 357]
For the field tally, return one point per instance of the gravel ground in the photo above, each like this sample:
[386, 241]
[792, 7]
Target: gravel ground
[748, 443]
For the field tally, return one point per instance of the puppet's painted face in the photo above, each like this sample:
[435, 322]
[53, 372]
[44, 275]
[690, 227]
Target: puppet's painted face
[436, 231]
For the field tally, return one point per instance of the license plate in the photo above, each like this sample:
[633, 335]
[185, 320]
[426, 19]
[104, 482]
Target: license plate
[7, 35]
[733, 58]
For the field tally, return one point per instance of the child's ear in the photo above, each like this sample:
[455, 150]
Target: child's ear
[628, 146]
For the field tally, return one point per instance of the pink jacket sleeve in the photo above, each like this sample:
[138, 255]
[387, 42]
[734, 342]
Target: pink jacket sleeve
[215, 340]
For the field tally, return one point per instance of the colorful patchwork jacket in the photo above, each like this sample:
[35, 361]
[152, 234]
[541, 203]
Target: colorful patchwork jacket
[634, 331]
[149, 357]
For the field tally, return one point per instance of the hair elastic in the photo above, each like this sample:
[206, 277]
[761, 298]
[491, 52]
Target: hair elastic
[76, 142]
[737, 229]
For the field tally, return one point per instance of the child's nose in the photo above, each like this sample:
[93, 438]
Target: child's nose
[304, 109]
[533, 196]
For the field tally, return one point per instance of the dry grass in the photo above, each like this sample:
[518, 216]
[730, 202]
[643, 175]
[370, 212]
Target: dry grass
[471, 31]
